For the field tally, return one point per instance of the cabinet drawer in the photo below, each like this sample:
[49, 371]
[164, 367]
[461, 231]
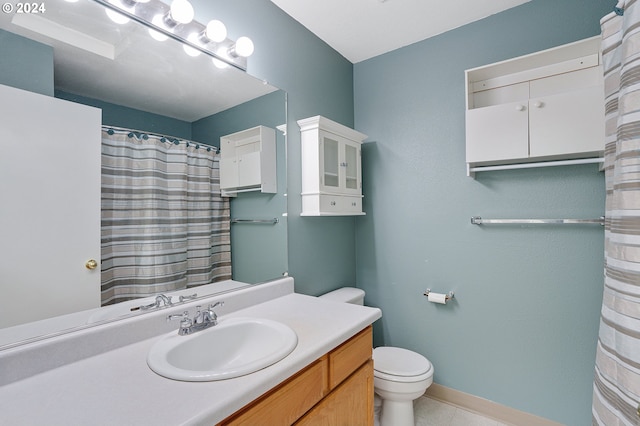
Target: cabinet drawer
[346, 358]
[352, 204]
[289, 401]
[330, 203]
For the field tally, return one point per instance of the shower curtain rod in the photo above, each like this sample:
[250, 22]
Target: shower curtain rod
[168, 137]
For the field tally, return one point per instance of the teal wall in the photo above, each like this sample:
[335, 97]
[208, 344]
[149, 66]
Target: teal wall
[318, 81]
[259, 252]
[523, 327]
[26, 64]
[130, 118]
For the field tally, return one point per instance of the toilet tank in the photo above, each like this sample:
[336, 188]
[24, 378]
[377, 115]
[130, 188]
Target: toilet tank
[346, 295]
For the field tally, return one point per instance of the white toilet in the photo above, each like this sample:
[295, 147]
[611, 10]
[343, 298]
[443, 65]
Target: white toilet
[399, 375]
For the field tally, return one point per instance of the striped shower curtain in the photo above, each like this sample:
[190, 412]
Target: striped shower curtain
[616, 391]
[164, 224]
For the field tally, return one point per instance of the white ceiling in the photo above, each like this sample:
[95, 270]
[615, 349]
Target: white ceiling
[362, 29]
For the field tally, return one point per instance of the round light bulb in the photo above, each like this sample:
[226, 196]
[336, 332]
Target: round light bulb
[219, 64]
[193, 38]
[116, 17]
[244, 47]
[216, 31]
[181, 11]
[157, 35]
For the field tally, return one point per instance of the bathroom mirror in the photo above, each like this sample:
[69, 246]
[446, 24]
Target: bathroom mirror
[154, 86]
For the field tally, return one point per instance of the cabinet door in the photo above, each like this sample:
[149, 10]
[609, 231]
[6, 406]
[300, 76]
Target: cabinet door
[330, 162]
[571, 122]
[498, 132]
[351, 403]
[228, 173]
[351, 167]
[249, 170]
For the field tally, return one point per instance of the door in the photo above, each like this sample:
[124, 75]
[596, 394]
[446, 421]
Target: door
[49, 208]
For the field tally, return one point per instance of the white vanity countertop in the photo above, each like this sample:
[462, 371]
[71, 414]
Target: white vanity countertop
[118, 388]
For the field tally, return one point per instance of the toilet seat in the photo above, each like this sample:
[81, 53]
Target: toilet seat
[400, 365]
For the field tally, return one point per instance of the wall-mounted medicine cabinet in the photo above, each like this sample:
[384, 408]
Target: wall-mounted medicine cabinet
[248, 161]
[331, 168]
[546, 106]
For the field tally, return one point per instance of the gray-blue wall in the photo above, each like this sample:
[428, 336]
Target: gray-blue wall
[130, 118]
[259, 252]
[26, 64]
[318, 81]
[523, 327]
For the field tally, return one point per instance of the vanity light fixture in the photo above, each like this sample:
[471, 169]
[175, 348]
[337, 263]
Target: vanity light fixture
[175, 20]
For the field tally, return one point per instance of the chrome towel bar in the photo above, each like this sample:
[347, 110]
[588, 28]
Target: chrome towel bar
[477, 220]
[262, 221]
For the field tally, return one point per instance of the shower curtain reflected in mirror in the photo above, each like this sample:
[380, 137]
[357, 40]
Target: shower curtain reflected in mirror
[164, 225]
[616, 390]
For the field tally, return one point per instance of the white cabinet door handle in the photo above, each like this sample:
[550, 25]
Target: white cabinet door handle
[538, 104]
[519, 107]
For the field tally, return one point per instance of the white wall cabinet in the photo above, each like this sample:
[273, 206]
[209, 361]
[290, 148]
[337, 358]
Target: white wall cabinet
[248, 161]
[331, 168]
[541, 107]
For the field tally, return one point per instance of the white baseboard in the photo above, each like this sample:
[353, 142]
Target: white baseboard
[486, 408]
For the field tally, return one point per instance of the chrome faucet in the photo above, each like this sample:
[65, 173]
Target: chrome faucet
[202, 319]
[160, 299]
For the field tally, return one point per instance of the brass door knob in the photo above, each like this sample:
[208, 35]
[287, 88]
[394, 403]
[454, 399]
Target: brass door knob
[91, 264]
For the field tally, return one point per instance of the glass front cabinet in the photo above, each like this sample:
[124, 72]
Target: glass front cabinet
[331, 168]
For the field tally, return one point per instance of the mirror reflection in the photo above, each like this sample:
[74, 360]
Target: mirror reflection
[144, 92]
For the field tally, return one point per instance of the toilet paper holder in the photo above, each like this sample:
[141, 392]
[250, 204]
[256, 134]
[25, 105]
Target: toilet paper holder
[448, 296]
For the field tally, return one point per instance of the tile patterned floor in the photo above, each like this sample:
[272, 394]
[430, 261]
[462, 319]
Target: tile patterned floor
[429, 412]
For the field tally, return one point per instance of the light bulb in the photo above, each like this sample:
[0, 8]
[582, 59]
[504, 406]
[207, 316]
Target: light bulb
[193, 38]
[157, 35]
[116, 17]
[181, 11]
[243, 47]
[216, 31]
[219, 64]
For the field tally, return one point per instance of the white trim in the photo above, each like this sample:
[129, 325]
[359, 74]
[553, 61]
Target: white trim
[485, 408]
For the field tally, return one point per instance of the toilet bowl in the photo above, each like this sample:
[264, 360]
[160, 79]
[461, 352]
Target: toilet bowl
[399, 375]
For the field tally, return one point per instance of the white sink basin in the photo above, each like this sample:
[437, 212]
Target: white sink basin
[234, 347]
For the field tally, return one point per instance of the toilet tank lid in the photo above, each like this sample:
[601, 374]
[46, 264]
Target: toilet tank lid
[345, 294]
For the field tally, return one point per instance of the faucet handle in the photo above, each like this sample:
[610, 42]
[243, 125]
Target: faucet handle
[213, 305]
[212, 314]
[190, 297]
[185, 322]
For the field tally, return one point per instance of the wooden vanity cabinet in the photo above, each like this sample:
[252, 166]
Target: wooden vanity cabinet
[336, 389]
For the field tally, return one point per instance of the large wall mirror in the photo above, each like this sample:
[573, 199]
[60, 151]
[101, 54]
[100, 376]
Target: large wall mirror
[74, 51]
